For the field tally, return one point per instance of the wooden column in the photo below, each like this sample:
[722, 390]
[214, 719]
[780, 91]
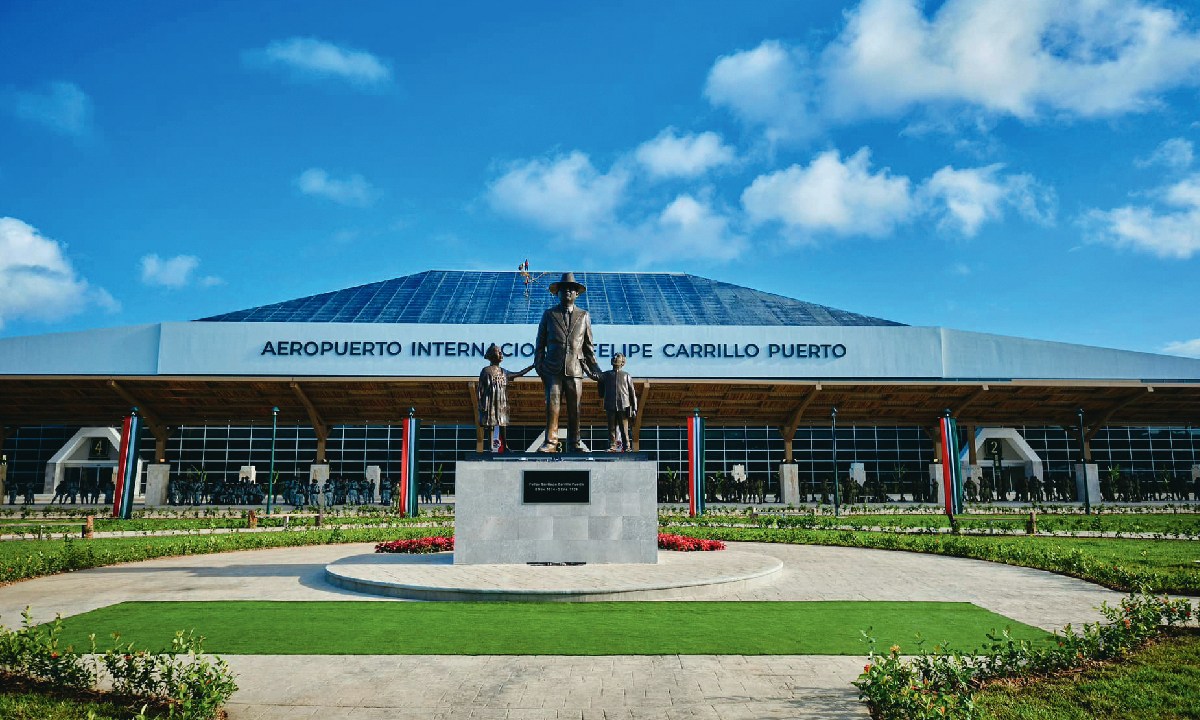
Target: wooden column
[938, 449]
[160, 447]
[972, 455]
[319, 426]
[636, 429]
[788, 428]
[473, 391]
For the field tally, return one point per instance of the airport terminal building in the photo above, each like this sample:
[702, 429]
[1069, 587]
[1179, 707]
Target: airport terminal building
[779, 380]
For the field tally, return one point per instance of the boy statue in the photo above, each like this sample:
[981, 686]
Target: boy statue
[620, 404]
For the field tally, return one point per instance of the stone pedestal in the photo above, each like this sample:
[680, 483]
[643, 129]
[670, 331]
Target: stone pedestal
[1087, 479]
[320, 473]
[512, 512]
[938, 483]
[373, 474]
[858, 473]
[789, 483]
[157, 477]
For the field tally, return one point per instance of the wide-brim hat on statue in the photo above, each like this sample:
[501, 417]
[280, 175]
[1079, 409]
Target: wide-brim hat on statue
[568, 279]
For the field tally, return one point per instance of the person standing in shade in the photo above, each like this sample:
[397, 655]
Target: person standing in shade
[563, 355]
[620, 404]
[492, 395]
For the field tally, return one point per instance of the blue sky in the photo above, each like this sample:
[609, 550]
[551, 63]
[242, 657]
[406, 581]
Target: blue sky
[959, 163]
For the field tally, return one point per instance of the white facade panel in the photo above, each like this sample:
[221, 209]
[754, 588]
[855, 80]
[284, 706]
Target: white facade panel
[661, 351]
[674, 351]
[977, 355]
[129, 350]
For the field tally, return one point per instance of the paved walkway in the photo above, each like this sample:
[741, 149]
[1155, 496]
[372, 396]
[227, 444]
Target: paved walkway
[537, 687]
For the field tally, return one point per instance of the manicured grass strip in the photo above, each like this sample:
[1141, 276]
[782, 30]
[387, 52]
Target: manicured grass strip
[1159, 565]
[1162, 682]
[612, 628]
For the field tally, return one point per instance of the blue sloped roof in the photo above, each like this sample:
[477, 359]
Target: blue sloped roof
[497, 298]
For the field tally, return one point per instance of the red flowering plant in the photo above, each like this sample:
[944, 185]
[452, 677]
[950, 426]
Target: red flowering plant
[417, 546]
[683, 543]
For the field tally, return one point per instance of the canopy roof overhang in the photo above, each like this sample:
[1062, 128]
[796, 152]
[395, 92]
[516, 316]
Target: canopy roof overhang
[176, 401]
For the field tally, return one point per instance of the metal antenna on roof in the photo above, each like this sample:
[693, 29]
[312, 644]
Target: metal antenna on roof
[528, 278]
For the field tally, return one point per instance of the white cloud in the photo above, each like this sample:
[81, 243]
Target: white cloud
[62, 106]
[38, 279]
[1099, 58]
[313, 58]
[843, 198]
[672, 155]
[1186, 348]
[174, 272]
[1169, 228]
[562, 194]
[1174, 154]
[966, 199]
[769, 86]
[354, 190]
[687, 228]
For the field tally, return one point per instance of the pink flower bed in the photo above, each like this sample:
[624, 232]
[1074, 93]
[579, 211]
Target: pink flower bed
[417, 546]
[687, 544]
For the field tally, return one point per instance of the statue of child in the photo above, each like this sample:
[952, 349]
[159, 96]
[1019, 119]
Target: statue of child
[620, 404]
[492, 393]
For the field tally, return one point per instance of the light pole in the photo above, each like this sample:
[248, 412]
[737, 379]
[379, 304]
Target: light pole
[271, 474]
[837, 481]
[1083, 486]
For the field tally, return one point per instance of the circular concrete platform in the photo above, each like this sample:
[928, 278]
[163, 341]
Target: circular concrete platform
[436, 577]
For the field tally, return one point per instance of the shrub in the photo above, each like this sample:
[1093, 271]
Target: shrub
[34, 651]
[190, 685]
[940, 684]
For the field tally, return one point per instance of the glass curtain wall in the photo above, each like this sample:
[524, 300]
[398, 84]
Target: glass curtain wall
[896, 456]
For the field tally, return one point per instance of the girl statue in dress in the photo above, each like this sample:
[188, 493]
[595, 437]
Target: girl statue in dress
[492, 393]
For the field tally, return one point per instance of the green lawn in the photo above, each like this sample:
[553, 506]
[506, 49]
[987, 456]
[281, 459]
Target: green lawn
[612, 628]
[1159, 683]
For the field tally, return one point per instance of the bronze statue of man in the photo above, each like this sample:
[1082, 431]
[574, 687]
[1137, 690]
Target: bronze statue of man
[563, 356]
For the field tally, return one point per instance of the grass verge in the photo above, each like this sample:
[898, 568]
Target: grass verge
[1128, 565]
[1161, 681]
[603, 628]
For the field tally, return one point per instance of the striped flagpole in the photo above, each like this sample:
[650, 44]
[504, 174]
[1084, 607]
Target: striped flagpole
[958, 468]
[122, 457]
[409, 468]
[695, 427]
[126, 486]
[949, 464]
